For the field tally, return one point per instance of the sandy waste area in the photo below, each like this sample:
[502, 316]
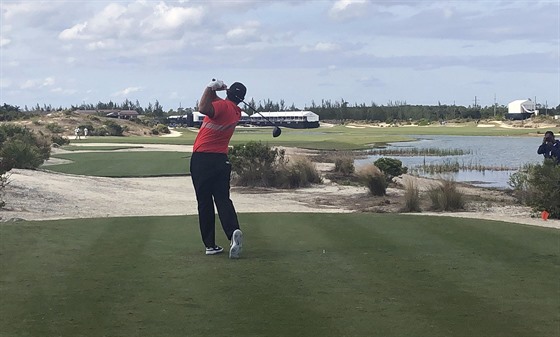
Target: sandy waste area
[45, 195]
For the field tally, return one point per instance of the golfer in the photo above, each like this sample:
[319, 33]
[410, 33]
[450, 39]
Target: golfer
[211, 169]
[550, 147]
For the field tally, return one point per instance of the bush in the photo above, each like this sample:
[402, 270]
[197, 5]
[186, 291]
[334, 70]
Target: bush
[446, 197]
[344, 165]
[160, 129]
[22, 148]
[258, 165]
[300, 172]
[111, 128]
[391, 167]
[411, 198]
[54, 128]
[59, 140]
[16, 153]
[4, 176]
[538, 186]
[254, 164]
[372, 177]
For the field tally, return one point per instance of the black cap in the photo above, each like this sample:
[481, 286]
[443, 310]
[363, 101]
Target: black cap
[236, 92]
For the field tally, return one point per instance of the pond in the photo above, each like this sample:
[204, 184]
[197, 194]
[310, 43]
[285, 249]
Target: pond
[505, 152]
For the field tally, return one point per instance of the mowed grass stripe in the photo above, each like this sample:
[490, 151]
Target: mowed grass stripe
[124, 164]
[302, 274]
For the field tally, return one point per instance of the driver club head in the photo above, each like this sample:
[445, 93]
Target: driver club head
[276, 132]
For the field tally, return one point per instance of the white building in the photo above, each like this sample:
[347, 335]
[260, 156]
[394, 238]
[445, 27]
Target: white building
[521, 109]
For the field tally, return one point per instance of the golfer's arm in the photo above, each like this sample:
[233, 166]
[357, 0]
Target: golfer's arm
[205, 106]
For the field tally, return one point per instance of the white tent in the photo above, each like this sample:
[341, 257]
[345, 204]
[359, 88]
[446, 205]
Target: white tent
[522, 106]
[307, 115]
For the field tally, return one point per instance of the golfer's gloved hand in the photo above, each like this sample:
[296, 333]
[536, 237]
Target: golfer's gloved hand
[217, 85]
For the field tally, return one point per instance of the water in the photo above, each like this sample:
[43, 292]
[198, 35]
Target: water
[509, 152]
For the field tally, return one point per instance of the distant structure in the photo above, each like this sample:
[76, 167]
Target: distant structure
[521, 109]
[289, 119]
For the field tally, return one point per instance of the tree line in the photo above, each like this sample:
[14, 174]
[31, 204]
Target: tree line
[327, 110]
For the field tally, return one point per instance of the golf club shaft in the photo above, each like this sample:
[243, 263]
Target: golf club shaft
[255, 110]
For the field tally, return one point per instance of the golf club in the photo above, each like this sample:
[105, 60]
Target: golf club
[276, 131]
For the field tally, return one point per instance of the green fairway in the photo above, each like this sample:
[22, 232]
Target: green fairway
[326, 138]
[98, 148]
[300, 275]
[124, 164]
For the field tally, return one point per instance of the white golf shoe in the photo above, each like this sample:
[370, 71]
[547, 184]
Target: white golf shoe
[236, 244]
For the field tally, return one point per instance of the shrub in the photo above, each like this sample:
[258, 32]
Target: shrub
[59, 140]
[4, 176]
[391, 167]
[258, 165]
[344, 165]
[300, 172]
[54, 128]
[538, 186]
[160, 129]
[112, 129]
[411, 198]
[22, 148]
[254, 164]
[16, 153]
[372, 177]
[446, 197]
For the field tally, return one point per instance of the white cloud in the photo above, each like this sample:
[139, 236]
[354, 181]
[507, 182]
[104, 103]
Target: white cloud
[64, 91]
[126, 91]
[74, 33]
[136, 21]
[321, 47]
[37, 83]
[345, 9]
[245, 33]
[102, 45]
[4, 41]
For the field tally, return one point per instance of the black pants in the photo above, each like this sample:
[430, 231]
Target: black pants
[211, 174]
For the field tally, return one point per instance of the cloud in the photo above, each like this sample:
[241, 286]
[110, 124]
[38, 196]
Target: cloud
[4, 41]
[246, 33]
[37, 83]
[321, 47]
[127, 91]
[347, 9]
[64, 91]
[139, 20]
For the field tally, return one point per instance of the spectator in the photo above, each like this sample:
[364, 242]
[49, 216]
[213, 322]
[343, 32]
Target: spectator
[550, 147]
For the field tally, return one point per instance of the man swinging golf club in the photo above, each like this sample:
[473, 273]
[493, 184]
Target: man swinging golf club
[211, 169]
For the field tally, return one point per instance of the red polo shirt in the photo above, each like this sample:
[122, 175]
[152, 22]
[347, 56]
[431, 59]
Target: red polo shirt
[215, 133]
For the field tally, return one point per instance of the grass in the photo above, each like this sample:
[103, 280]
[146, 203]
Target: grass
[98, 148]
[327, 138]
[301, 275]
[124, 164]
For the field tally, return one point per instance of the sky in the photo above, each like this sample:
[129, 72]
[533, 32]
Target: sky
[64, 53]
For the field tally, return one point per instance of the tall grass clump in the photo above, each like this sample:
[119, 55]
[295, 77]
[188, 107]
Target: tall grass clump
[538, 186]
[374, 179]
[446, 197]
[344, 164]
[411, 198]
[299, 172]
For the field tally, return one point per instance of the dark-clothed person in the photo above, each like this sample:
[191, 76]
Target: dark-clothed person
[550, 147]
